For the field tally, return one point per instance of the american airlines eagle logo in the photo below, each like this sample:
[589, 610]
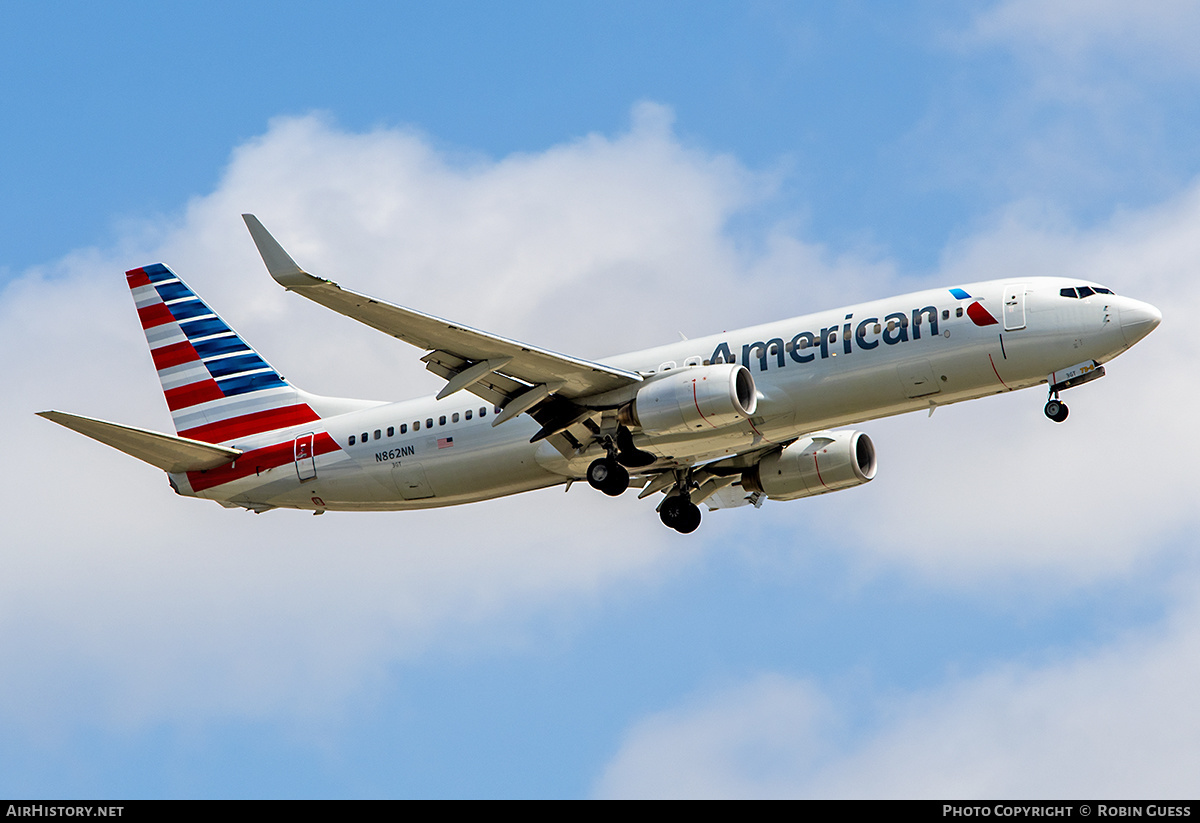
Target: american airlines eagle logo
[978, 314]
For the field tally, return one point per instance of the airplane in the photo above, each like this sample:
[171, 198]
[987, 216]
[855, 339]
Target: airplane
[727, 420]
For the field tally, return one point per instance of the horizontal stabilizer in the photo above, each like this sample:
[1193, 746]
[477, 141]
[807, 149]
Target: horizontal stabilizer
[163, 451]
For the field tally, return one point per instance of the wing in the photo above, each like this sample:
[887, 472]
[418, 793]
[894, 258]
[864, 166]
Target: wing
[506, 372]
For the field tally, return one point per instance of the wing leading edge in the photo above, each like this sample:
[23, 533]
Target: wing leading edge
[506, 372]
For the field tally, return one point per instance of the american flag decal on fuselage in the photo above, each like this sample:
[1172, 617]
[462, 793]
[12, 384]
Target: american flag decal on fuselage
[217, 388]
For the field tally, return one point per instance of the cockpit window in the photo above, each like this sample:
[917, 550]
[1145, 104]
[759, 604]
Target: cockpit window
[1084, 291]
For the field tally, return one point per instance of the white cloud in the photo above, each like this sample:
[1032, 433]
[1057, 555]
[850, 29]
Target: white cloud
[1161, 32]
[1117, 722]
[750, 740]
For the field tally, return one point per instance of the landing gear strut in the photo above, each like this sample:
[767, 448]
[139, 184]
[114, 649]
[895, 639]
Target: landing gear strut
[608, 476]
[680, 513]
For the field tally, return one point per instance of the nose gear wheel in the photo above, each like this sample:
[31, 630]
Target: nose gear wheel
[1056, 410]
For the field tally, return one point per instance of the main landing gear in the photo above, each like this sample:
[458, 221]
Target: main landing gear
[608, 476]
[680, 513]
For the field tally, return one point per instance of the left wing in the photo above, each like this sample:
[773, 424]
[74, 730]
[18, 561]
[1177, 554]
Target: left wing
[506, 372]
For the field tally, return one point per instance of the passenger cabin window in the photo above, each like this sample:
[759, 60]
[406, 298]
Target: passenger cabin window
[945, 314]
[364, 437]
[442, 420]
[391, 431]
[482, 412]
[378, 434]
[416, 425]
[454, 417]
[958, 312]
[351, 440]
[404, 428]
[429, 422]
[497, 410]
[468, 414]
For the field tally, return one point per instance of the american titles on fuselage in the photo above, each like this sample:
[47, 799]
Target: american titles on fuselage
[866, 334]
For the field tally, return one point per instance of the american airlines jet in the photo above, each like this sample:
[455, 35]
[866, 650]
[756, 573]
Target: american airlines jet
[728, 420]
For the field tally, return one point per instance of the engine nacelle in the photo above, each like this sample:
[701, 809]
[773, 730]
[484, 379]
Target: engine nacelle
[816, 464]
[694, 398]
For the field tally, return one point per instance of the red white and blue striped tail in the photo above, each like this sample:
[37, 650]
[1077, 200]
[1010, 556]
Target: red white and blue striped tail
[217, 388]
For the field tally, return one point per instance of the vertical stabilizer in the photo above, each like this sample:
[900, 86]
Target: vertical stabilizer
[217, 388]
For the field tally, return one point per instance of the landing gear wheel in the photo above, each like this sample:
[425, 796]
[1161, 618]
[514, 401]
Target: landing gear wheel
[691, 519]
[1056, 410]
[680, 514]
[608, 476]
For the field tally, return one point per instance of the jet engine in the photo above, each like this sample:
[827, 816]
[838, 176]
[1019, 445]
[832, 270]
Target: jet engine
[692, 399]
[815, 464]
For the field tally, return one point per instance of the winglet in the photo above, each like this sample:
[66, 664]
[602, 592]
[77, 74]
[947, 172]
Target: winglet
[279, 263]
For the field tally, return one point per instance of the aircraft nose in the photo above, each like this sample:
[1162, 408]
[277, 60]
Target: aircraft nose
[1138, 319]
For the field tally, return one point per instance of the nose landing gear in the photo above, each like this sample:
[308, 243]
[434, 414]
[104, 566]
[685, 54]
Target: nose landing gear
[1077, 375]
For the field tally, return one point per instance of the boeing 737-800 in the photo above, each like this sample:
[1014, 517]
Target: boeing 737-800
[727, 420]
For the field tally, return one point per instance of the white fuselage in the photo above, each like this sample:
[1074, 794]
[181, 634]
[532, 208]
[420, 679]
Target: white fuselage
[813, 372]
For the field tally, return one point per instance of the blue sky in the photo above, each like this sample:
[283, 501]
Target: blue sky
[1008, 610]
